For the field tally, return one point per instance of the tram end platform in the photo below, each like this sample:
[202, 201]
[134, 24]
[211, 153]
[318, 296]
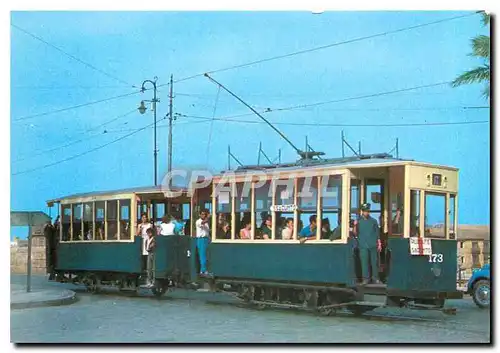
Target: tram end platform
[21, 299]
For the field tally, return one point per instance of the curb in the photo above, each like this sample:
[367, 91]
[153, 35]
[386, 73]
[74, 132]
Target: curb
[68, 299]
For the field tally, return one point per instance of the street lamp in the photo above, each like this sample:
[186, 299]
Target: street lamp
[142, 110]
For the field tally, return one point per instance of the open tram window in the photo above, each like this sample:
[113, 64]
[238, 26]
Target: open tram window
[100, 213]
[355, 199]
[451, 216]
[374, 191]
[223, 206]
[112, 220]
[88, 217]
[125, 230]
[414, 213]
[263, 203]
[77, 222]
[284, 225]
[307, 199]
[331, 203]
[397, 214]
[160, 211]
[435, 215]
[66, 222]
[243, 221]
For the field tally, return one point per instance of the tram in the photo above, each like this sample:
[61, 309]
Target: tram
[414, 204]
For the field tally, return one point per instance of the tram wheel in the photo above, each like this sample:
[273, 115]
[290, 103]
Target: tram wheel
[92, 283]
[159, 288]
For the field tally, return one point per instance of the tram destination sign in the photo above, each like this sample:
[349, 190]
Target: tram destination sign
[420, 246]
[283, 208]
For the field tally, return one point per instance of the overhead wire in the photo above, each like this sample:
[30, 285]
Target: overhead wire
[358, 39]
[76, 141]
[83, 153]
[71, 55]
[206, 119]
[27, 117]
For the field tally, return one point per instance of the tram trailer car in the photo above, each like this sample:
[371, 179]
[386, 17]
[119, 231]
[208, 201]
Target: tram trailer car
[96, 243]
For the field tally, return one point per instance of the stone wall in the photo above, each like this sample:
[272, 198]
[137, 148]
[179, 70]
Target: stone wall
[19, 257]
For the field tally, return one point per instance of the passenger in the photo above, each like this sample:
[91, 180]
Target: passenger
[309, 231]
[267, 228]
[178, 226]
[368, 244]
[202, 239]
[226, 230]
[287, 233]
[246, 231]
[167, 226]
[150, 248]
[142, 232]
[326, 231]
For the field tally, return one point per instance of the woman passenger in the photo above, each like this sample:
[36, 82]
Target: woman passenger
[142, 231]
[287, 232]
[267, 228]
[246, 232]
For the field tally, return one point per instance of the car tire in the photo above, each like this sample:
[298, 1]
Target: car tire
[481, 293]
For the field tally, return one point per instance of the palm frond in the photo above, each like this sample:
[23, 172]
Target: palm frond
[478, 74]
[486, 91]
[481, 46]
[486, 18]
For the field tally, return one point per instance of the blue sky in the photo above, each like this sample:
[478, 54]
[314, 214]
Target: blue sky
[135, 46]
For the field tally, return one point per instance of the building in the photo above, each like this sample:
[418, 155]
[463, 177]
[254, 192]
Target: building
[473, 248]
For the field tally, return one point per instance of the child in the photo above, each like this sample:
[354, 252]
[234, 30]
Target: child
[150, 248]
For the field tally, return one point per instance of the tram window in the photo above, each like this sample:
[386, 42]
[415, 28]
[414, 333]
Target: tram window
[331, 191]
[160, 210]
[451, 217]
[330, 225]
[111, 220]
[77, 221]
[142, 207]
[435, 213]
[397, 213]
[88, 229]
[243, 211]
[307, 198]
[374, 197]
[263, 203]
[355, 196]
[186, 211]
[414, 213]
[99, 220]
[125, 231]
[331, 202]
[285, 193]
[284, 228]
[66, 222]
[223, 206]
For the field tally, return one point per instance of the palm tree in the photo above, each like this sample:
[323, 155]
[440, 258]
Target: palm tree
[481, 49]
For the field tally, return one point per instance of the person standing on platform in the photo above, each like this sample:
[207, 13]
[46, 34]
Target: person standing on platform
[368, 244]
[202, 239]
[142, 232]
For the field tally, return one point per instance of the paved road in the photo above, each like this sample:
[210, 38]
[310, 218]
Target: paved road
[187, 316]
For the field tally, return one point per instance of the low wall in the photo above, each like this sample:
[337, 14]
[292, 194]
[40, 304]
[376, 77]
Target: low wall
[19, 257]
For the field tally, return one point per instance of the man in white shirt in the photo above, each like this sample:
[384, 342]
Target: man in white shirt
[202, 239]
[167, 226]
